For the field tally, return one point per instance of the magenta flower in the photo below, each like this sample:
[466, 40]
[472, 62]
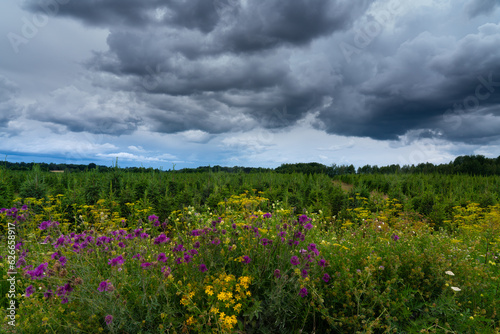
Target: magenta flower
[308, 226]
[303, 273]
[44, 225]
[303, 292]
[246, 259]
[30, 290]
[322, 263]
[277, 273]
[152, 218]
[39, 272]
[203, 268]
[395, 237]
[267, 215]
[187, 257]
[105, 286]
[108, 319]
[63, 260]
[295, 260]
[179, 248]
[166, 271]
[304, 219]
[118, 261]
[48, 294]
[146, 264]
[326, 278]
[312, 248]
[162, 257]
[216, 241]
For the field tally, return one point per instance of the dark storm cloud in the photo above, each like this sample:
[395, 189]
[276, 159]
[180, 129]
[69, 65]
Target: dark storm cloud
[193, 14]
[446, 86]
[480, 7]
[240, 68]
[229, 65]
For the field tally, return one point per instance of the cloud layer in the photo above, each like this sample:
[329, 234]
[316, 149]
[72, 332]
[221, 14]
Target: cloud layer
[218, 72]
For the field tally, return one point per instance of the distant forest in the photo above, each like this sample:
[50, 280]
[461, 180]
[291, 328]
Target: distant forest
[467, 164]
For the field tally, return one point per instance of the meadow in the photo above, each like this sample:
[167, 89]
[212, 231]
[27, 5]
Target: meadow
[216, 252]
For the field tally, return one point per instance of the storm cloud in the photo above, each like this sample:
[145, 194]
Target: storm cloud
[383, 70]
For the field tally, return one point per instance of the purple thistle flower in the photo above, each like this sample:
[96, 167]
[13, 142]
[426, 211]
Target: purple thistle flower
[152, 218]
[277, 273]
[108, 319]
[105, 286]
[395, 237]
[121, 245]
[266, 241]
[38, 273]
[179, 248]
[295, 260]
[59, 242]
[193, 252]
[146, 264]
[21, 262]
[326, 278]
[48, 294]
[308, 226]
[166, 271]
[267, 215]
[303, 273]
[216, 241]
[64, 300]
[137, 232]
[68, 288]
[203, 268]
[118, 261]
[30, 290]
[196, 244]
[304, 219]
[63, 260]
[178, 260]
[233, 226]
[144, 235]
[303, 292]
[246, 259]
[162, 257]
[312, 248]
[187, 257]
[137, 256]
[24, 207]
[322, 263]
[44, 225]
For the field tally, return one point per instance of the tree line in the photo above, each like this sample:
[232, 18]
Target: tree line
[467, 164]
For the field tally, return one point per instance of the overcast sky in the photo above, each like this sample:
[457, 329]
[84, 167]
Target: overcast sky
[249, 83]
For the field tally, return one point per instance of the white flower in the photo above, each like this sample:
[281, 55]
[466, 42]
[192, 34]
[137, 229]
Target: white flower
[449, 273]
[454, 288]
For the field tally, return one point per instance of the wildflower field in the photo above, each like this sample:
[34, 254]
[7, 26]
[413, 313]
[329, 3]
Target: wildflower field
[247, 264]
